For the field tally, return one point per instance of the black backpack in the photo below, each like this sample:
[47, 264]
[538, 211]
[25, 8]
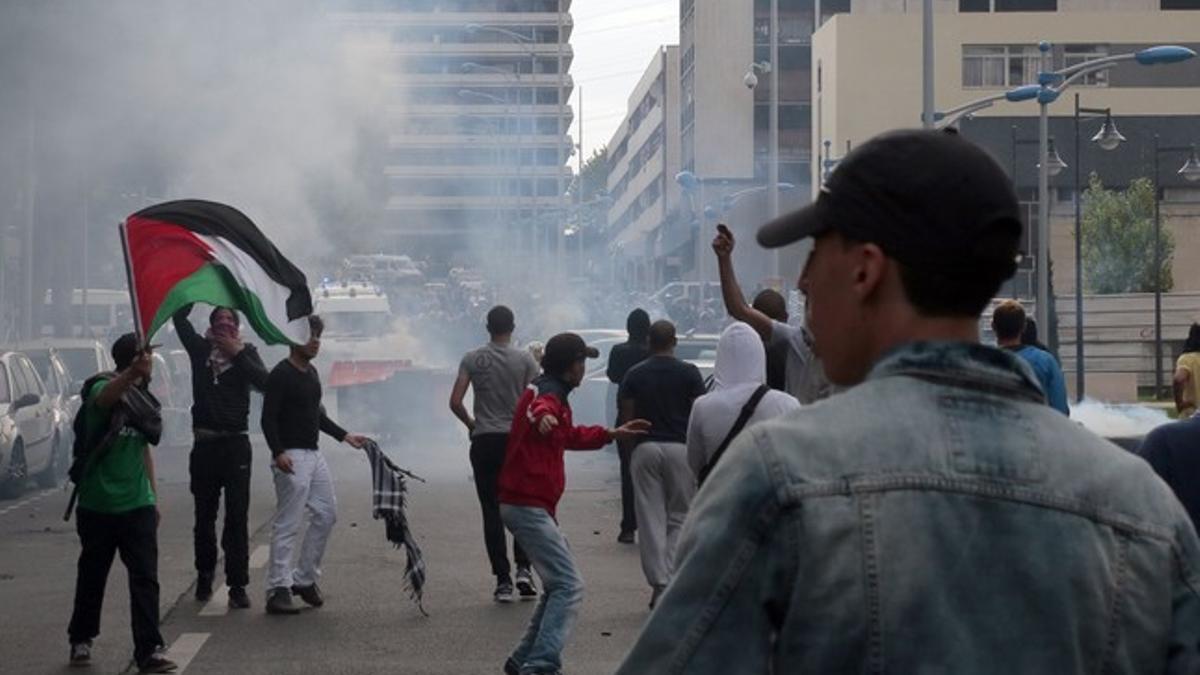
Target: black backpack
[83, 445]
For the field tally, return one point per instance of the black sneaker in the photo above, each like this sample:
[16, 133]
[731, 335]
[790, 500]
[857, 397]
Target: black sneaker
[81, 653]
[511, 667]
[238, 598]
[525, 586]
[626, 537]
[279, 601]
[158, 663]
[310, 594]
[504, 590]
[204, 588]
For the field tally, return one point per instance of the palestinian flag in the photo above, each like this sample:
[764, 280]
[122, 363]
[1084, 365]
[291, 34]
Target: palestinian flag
[197, 251]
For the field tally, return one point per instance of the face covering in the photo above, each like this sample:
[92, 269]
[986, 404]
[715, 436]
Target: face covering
[218, 360]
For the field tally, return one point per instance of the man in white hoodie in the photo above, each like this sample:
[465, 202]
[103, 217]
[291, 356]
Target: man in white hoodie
[740, 370]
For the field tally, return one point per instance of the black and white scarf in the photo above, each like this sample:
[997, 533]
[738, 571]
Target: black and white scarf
[387, 503]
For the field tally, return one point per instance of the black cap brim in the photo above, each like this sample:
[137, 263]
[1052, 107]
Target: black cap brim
[591, 352]
[792, 227]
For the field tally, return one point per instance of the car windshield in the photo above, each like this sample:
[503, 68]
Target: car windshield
[356, 324]
[81, 362]
[41, 363]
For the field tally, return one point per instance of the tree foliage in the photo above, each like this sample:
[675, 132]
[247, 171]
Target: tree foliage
[1118, 239]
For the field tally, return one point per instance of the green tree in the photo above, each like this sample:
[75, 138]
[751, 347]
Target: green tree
[1118, 239]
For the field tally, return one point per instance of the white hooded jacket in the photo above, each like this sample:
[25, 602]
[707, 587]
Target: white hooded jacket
[740, 369]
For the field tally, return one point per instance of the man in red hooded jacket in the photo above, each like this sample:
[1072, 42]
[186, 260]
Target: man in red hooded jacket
[532, 482]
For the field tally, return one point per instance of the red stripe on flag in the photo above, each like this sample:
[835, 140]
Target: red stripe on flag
[162, 255]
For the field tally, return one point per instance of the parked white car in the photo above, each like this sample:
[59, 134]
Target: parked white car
[61, 387]
[30, 445]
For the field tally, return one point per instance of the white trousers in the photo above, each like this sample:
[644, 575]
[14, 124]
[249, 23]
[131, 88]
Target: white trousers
[663, 487]
[309, 488]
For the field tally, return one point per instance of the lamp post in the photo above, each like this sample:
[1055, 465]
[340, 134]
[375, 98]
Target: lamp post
[770, 68]
[527, 43]
[829, 162]
[1190, 172]
[1108, 138]
[505, 101]
[1051, 85]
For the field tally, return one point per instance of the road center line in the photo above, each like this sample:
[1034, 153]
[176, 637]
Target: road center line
[185, 648]
[219, 604]
[258, 559]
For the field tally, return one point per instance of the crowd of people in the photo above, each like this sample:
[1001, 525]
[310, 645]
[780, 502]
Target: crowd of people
[866, 489]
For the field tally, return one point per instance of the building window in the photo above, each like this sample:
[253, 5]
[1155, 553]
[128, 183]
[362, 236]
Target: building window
[997, 66]
[1009, 5]
[1076, 54]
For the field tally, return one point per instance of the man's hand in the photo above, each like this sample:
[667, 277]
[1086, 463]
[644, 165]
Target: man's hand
[547, 424]
[231, 346]
[283, 462]
[142, 366]
[723, 243]
[356, 440]
[630, 430]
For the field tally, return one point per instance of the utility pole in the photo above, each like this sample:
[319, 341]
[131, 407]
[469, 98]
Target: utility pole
[927, 67]
[773, 133]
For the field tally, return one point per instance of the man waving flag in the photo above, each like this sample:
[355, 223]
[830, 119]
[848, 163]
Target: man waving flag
[187, 251]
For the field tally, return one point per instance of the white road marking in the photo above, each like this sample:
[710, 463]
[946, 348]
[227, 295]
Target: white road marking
[258, 559]
[185, 648]
[26, 502]
[219, 604]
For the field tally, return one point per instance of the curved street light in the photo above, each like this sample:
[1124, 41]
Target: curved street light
[1191, 169]
[1108, 138]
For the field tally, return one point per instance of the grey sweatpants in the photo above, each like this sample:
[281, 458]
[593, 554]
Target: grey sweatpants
[663, 487]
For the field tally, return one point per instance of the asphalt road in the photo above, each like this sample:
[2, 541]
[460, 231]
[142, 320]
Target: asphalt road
[368, 624]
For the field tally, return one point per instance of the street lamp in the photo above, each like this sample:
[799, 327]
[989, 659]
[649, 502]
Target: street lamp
[1108, 138]
[528, 41]
[1054, 162]
[1051, 85]
[830, 162]
[1191, 173]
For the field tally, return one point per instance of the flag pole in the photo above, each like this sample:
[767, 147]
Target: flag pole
[137, 316]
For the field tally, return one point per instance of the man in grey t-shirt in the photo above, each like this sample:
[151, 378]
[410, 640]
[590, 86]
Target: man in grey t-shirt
[499, 373]
[805, 375]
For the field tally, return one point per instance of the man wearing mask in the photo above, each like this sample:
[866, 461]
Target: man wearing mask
[292, 421]
[224, 370]
[623, 357]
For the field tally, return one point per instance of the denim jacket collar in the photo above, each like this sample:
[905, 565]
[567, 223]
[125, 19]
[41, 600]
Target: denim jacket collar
[962, 364]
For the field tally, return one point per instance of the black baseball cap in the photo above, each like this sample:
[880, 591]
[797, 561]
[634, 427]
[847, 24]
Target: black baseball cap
[564, 349]
[925, 197]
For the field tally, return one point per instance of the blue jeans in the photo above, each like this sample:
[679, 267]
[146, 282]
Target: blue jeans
[540, 651]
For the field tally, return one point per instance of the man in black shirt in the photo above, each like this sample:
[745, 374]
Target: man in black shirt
[292, 421]
[223, 371]
[661, 390]
[1174, 452]
[623, 357]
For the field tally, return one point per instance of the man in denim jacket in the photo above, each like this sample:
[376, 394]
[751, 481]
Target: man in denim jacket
[938, 516]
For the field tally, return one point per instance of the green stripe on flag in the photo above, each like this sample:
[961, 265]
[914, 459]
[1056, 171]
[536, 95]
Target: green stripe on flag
[213, 284]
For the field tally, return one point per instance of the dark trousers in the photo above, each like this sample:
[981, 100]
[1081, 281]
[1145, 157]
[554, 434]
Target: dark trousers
[222, 465]
[628, 515]
[134, 535]
[487, 459]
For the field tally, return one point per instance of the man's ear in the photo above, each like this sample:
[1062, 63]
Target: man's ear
[868, 268]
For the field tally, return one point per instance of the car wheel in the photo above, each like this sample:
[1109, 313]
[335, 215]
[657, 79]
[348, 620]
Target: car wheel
[14, 483]
[55, 468]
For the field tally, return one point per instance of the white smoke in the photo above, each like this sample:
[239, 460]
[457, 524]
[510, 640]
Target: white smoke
[1118, 421]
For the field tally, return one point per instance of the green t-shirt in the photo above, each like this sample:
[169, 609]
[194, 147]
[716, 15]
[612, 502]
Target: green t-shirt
[118, 482]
